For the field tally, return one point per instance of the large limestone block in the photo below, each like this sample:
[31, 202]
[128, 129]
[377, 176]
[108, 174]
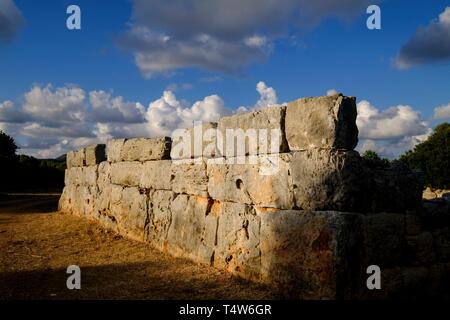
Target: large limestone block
[266, 182]
[395, 189]
[80, 200]
[89, 175]
[385, 239]
[95, 154]
[81, 176]
[160, 217]
[102, 203]
[104, 174]
[66, 203]
[190, 177]
[329, 180]
[258, 132]
[76, 158]
[73, 176]
[156, 175]
[129, 208]
[238, 238]
[322, 122]
[145, 149]
[189, 228]
[126, 173]
[114, 149]
[314, 255]
[197, 141]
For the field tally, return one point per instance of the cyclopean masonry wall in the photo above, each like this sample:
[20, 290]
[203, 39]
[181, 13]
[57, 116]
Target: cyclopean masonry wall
[306, 214]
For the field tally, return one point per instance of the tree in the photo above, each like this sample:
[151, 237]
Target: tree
[8, 147]
[370, 155]
[432, 157]
[373, 160]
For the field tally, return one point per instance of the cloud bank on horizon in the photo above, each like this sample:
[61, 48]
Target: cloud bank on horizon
[51, 121]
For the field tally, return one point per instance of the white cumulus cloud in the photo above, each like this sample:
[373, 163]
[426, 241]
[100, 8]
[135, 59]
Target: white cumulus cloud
[442, 112]
[392, 131]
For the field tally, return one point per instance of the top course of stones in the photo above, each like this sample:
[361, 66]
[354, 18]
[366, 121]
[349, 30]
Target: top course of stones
[327, 122]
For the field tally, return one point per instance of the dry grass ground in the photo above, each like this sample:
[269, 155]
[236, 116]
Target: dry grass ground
[38, 244]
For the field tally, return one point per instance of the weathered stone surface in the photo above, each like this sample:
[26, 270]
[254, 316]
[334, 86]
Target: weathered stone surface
[385, 237]
[329, 180]
[314, 254]
[126, 173]
[156, 175]
[323, 122]
[160, 217]
[129, 208]
[189, 177]
[95, 154]
[145, 149]
[188, 228]
[104, 174]
[89, 175]
[266, 125]
[238, 238]
[114, 149]
[76, 158]
[394, 189]
[248, 183]
[195, 142]
[65, 203]
[81, 176]
[441, 243]
[73, 176]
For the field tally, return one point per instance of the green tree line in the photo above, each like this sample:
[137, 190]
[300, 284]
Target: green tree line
[24, 173]
[431, 158]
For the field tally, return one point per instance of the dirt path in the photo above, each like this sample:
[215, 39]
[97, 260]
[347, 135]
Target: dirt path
[37, 246]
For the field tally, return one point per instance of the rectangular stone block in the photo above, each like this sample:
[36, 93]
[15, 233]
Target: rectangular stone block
[129, 208]
[114, 149]
[258, 132]
[329, 180]
[238, 238]
[395, 189]
[73, 176]
[156, 175]
[76, 158]
[313, 255]
[188, 230]
[385, 239]
[265, 181]
[104, 174]
[145, 149]
[89, 175]
[197, 141]
[95, 154]
[322, 122]
[160, 218]
[190, 177]
[126, 173]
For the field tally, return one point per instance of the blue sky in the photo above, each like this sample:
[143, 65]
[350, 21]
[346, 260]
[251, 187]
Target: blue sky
[305, 55]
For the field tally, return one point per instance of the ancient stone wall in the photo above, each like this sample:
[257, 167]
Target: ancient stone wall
[295, 207]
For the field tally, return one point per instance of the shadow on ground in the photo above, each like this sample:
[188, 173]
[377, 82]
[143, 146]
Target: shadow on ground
[133, 281]
[26, 203]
